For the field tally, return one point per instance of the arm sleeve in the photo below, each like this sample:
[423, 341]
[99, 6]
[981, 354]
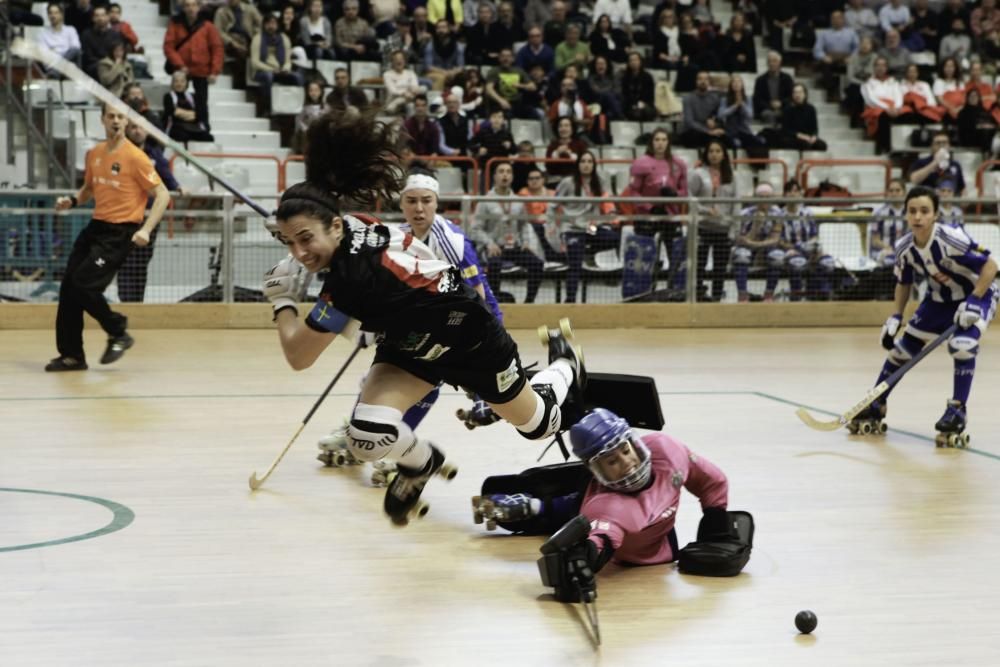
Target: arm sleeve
[145, 172]
[324, 318]
[468, 266]
[163, 169]
[902, 270]
[706, 481]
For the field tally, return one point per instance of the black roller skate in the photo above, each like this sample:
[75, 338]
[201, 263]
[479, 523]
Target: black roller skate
[333, 450]
[480, 414]
[950, 428]
[503, 508]
[870, 420]
[402, 497]
[560, 343]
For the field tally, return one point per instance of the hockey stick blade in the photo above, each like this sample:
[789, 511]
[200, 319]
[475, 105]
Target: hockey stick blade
[52, 60]
[817, 424]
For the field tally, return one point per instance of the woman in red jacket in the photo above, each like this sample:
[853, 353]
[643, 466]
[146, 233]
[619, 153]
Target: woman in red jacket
[192, 44]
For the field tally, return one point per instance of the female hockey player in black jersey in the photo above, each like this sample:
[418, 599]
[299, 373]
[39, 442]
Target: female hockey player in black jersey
[432, 327]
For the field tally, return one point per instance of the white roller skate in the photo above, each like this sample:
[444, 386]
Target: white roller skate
[333, 450]
[951, 427]
[560, 343]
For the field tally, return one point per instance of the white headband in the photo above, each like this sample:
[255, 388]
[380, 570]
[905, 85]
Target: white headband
[421, 182]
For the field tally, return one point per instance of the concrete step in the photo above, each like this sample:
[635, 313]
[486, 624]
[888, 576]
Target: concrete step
[243, 124]
[226, 110]
[217, 93]
[259, 142]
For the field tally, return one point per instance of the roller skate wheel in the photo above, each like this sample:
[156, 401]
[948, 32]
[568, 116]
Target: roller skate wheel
[477, 513]
[965, 440]
[491, 525]
[852, 428]
[866, 428]
[419, 510]
[460, 413]
[379, 478]
[566, 328]
[882, 428]
[326, 458]
[448, 471]
[543, 334]
[940, 440]
[340, 459]
[954, 440]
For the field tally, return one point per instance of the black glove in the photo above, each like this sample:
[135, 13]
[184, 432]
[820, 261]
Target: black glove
[578, 578]
[715, 526]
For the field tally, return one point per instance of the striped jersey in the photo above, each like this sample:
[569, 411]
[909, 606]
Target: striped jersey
[951, 263]
[951, 215]
[799, 227]
[447, 241]
[756, 225]
[386, 279]
[889, 224]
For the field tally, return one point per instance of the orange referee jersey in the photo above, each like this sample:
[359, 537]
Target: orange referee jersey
[120, 181]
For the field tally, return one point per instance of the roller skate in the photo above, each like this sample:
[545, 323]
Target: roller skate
[870, 420]
[560, 344]
[383, 472]
[950, 428]
[333, 451]
[480, 414]
[402, 496]
[503, 508]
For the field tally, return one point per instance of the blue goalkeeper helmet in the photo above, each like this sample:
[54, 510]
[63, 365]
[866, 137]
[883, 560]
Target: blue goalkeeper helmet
[606, 443]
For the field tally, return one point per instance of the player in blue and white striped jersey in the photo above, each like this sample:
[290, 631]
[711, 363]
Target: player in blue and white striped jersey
[959, 274]
[951, 214]
[800, 243]
[888, 225]
[759, 233]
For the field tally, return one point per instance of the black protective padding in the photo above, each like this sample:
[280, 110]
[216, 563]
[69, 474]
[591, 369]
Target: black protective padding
[632, 397]
[725, 558]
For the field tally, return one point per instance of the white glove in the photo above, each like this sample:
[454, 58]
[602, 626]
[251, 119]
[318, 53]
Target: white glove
[969, 312]
[286, 283]
[943, 158]
[889, 330]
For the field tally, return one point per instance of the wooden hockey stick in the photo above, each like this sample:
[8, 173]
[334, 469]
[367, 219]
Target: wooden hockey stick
[875, 391]
[51, 59]
[256, 482]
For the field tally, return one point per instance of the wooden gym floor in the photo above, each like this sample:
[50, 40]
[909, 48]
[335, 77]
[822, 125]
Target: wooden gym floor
[892, 542]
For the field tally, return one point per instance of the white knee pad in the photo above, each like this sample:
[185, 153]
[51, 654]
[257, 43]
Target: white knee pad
[742, 255]
[797, 263]
[963, 347]
[827, 263]
[775, 257]
[377, 431]
[547, 418]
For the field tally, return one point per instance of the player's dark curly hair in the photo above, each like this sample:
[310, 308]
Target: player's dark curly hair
[353, 156]
[922, 191]
[306, 198]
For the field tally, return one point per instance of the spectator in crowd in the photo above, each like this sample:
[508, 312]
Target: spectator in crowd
[537, 13]
[473, 93]
[735, 114]
[883, 98]
[315, 33]
[539, 214]
[312, 108]
[566, 145]
[237, 22]
[385, 12]
[984, 18]
[897, 57]
[949, 87]
[956, 43]
[484, 40]
[925, 24]
[736, 47]
[803, 255]
[712, 178]
[572, 49]
[604, 89]
[445, 10]
[953, 9]
[699, 122]
[444, 57]
[619, 12]
[123, 28]
[638, 90]
[888, 225]
[192, 44]
[609, 41]
[456, 128]
[422, 30]
[894, 15]
[271, 60]
[666, 42]
[976, 127]
[506, 235]
[134, 271]
[524, 162]
[658, 173]
[401, 39]
[469, 13]
[860, 66]
[536, 52]
[507, 26]
[288, 25]
[424, 133]
[938, 166]
[506, 85]
[19, 13]
[354, 38]
[98, 41]
[861, 19]
[918, 96]
[343, 95]
[134, 96]
[949, 213]
[702, 14]
[799, 126]
[832, 49]
[60, 37]
[780, 15]
[772, 90]
[554, 30]
[114, 71]
[757, 241]
[492, 140]
[697, 53]
[569, 105]
[583, 225]
[180, 112]
[80, 15]
[401, 84]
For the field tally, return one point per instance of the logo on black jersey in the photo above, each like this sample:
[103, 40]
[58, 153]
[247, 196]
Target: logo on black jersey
[455, 318]
[116, 168]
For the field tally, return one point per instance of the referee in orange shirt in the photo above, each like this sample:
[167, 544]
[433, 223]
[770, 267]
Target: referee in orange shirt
[119, 177]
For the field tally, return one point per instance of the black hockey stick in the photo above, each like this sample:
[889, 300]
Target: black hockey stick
[256, 483]
[876, 391]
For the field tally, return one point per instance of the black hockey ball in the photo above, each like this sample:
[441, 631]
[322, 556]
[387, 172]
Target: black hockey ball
[805, 621]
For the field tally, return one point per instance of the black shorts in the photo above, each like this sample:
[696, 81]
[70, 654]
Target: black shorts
[467, 348]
